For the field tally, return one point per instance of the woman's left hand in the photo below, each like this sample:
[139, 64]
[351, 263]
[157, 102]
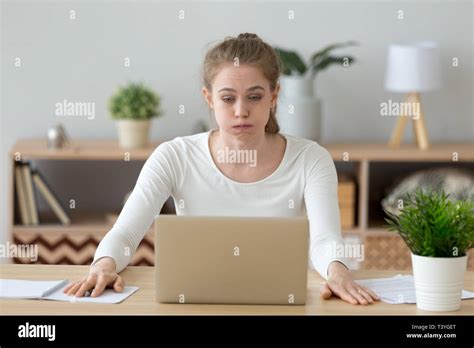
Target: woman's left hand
[341, 284]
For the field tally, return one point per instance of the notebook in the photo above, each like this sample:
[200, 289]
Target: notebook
[53, 290]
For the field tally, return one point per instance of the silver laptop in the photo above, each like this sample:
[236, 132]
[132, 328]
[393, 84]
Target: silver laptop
[233, 260]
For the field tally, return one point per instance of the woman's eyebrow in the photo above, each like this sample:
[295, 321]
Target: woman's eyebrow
[248, 89]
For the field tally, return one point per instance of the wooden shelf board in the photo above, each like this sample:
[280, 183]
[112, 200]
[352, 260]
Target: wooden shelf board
[352, 230]
[80, 221]
[71, 230]
[59, 229]
[407, 152]
[378, 230]
[80, 149]
[372, 230]
[109, 149]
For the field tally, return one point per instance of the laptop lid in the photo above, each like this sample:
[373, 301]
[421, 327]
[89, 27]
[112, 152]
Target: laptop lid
[235, 260]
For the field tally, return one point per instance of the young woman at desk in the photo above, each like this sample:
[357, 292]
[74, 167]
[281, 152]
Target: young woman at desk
[292, 177]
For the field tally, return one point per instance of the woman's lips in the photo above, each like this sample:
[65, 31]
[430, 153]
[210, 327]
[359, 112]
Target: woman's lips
[242, 126]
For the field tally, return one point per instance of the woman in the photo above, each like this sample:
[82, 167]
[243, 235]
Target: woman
[288, 176]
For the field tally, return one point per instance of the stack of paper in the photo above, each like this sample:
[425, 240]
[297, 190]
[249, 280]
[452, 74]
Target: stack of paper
[53, 290]
[398, 289]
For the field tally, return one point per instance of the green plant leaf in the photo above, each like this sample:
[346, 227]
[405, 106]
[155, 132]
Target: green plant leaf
[433, 225]
[292, 62]
[324, 51]
[134, 101]
[329, 60]
[322, 55]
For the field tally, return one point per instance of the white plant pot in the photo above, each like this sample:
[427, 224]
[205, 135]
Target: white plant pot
[438, 282]
[133, 134]
[299, 111]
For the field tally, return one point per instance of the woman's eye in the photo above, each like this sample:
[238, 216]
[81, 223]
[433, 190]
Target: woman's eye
[231, 99]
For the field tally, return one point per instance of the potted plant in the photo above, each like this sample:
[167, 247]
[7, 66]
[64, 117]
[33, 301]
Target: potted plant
[133, 106]
[439, 232]
[300, 109]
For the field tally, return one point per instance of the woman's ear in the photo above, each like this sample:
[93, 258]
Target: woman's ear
[275, 95]
[207, 96]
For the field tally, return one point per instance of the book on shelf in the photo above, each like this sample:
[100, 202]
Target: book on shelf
[26, 179]
[21, 194]
[30, 195]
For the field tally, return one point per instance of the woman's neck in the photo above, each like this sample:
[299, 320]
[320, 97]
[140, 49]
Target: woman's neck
[258, 142]
[237, 159]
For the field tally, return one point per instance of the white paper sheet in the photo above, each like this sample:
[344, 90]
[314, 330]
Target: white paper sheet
[398, 289]
[108, 296]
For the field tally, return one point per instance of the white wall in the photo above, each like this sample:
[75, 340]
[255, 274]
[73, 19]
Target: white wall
[82, 60]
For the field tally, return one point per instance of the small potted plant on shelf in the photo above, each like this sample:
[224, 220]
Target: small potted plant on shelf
[133, 106]
[300, 109]
[439, 232]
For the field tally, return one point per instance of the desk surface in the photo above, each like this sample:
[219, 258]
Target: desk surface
[143, 301]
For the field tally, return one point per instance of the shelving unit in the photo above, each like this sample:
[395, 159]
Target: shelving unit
[383, 249]
[74, 243]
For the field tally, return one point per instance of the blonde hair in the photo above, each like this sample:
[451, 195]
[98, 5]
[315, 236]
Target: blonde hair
[251, 50]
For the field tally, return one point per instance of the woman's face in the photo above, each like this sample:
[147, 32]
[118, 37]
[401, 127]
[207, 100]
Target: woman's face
[241, 99]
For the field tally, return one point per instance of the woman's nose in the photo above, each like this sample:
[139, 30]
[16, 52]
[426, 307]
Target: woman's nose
[241, 110]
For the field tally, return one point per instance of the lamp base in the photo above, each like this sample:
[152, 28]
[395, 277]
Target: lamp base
[421, 134]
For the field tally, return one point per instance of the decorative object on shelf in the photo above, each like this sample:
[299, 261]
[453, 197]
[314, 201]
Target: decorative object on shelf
[133, 106]
[57, 137]
[439, 234]
[412, 69]
[457, 183]
[299, 109]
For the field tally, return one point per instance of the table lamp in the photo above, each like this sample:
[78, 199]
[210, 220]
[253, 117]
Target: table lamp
[411, 69]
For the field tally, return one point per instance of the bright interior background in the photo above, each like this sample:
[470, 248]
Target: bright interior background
[83, 60]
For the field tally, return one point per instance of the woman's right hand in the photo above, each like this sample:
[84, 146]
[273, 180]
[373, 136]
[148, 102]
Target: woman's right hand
[101, 275]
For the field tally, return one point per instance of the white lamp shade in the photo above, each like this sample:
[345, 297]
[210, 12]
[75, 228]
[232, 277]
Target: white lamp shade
[413, 68]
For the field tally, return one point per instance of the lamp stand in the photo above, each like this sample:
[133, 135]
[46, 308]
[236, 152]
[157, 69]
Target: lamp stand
[421, 134]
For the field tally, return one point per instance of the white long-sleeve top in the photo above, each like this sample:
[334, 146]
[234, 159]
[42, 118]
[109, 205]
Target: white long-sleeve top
[304, 184]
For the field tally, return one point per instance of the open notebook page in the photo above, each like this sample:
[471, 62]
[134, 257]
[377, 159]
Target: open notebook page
[29, 289]
[53, 290]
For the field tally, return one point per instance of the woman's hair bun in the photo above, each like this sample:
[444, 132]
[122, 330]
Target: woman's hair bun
[245, 36]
